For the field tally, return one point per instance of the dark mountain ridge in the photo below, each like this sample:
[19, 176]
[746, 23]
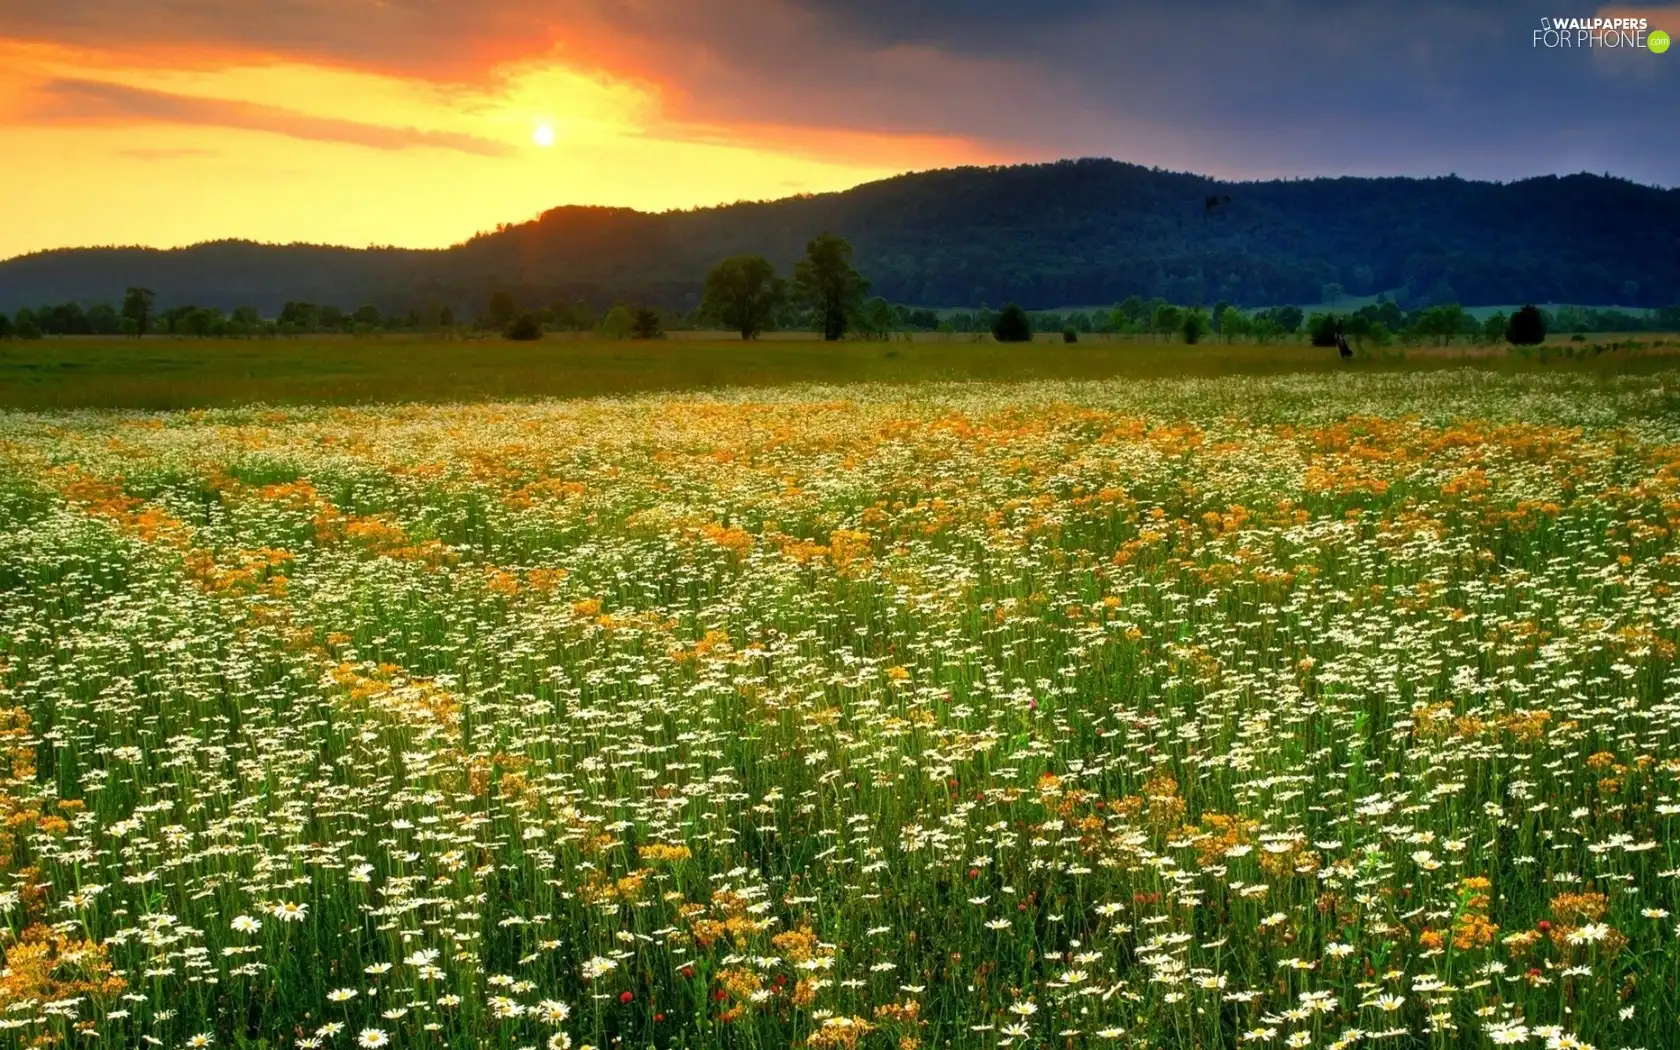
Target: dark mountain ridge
[1043, 235]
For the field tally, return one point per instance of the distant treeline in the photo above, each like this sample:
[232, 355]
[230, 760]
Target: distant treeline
[874, 318]
[1042, 236]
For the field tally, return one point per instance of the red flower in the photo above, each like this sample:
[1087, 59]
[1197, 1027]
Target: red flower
[625, 997]
[1545, 927]
[658, 1017]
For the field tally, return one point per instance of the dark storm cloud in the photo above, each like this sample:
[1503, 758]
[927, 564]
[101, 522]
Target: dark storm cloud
[1226, 87]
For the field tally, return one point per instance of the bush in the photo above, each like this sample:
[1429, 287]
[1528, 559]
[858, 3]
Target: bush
[525, 328]
[1012, 325]
[1527, 327]
[1069, 336]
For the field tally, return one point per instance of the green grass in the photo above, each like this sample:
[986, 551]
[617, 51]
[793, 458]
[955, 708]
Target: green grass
[173, 374]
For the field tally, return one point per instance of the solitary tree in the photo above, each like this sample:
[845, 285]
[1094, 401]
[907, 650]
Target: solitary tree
[367, 314]
[1527, 327]
[5, 327]
[827, 283]
[1012, 325]
[137, 307]
[742, 294]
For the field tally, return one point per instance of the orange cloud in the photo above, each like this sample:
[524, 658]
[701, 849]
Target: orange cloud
[101, 102]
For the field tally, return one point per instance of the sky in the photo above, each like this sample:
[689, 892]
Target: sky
[422, 122]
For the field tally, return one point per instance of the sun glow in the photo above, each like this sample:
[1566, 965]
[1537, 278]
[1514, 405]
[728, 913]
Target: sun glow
[543, 135]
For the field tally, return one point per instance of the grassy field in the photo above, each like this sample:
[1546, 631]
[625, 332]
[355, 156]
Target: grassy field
[167, 373]
[1327, 709]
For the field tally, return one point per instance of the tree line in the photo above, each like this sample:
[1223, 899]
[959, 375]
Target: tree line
[826, 293]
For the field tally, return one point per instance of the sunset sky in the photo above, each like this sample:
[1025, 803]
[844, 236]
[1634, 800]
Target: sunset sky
[416, 122]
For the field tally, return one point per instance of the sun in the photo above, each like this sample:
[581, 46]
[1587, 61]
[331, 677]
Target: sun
[543, 135]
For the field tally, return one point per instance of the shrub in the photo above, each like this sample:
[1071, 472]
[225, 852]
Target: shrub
[1012, 325]
[525, 328]
[1527, 327]
[1069, 336]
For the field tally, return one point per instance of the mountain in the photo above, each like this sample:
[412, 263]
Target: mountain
[1043, 235]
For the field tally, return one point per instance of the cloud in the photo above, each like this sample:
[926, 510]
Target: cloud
[1228, 87]
[70, 101]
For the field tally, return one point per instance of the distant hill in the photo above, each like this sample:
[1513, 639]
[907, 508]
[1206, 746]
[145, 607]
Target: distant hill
[1088, 231]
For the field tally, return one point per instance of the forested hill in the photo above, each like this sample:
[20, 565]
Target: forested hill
[1075, 232]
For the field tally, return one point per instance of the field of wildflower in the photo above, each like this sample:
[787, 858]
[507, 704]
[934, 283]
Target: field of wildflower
[1311, 711]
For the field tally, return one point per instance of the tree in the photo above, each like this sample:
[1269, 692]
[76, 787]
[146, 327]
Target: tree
[1217, 318]
[1493, 329]
[102, 319]
[874, 319]
[246, 320]
[1012, 325]
[1288, 318]
[137, 308]
[1070, 335]
[827, 283]
[501, 310]
[1323, 329]
[297, 316]
[5, 327]
[367, 314]
[1527, 327]
[200, 323]
[25, 326]
[525, 328]
[1194, 326]
[1167, 318]
[1131, 308]
[742, 294]
[1443, 322]
[1232, 323]
[617, 322]
[645, 324]
[446, 318]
